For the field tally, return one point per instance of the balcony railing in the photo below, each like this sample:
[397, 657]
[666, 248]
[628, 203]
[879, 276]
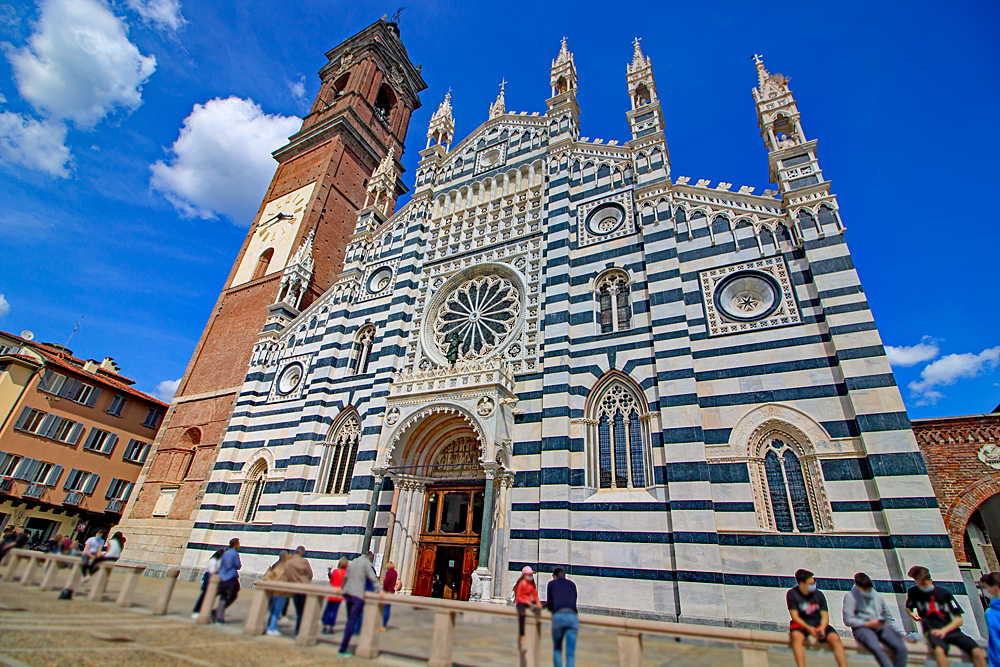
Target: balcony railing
[73, 498]
[6, 485]
[115, 506]
[34, 491]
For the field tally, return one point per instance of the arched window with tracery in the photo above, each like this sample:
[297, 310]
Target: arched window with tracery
[788, 485]
[619, 452]
[362, 350]
[614, 308]
[251, 491]
[340, 452]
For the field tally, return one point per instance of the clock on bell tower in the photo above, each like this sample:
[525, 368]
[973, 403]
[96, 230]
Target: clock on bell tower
[368, 91]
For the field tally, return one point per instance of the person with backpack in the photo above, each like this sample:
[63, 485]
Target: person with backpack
[276, 603]
[211, 568]
[525, 595]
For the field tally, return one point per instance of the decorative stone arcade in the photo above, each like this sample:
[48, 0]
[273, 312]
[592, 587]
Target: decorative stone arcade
[446, 444]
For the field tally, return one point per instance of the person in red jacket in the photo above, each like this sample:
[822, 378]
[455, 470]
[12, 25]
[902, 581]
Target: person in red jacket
[333, 602]
[525, 595]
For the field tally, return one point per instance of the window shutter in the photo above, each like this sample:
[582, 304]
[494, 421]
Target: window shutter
[94, 395]
[53, 477]
[69, 479]
[145, 451]
[47, 377]
[111, 487]
[23, 418]
[109, 443]
[91, 482]
[5, 459]
[74, 435]
[70, 387]
[50, 425]
[128, 492]
[90, 438]
[23, 468]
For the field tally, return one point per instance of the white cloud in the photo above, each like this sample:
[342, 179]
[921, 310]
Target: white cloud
[3, 100]
[4, 306]
[221, 162]
[34, 144]
[911, 355]
[298, 88]
[163, 13]
[79, 63]
[948, 370]
[165, 390]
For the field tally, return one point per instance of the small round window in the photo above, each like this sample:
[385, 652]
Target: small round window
[748, 296]
[380, 280]
[289, 379]
[605, 219]
[490, 158]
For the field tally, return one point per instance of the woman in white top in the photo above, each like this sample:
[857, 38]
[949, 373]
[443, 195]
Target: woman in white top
[210, 569]
[112, 551]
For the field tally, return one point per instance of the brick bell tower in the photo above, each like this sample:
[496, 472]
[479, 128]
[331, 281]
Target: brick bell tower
[369, 91]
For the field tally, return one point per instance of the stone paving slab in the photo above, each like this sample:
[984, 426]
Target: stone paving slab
[77, 633]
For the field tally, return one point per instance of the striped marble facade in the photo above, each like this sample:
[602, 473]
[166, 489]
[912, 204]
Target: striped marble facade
[687, 528]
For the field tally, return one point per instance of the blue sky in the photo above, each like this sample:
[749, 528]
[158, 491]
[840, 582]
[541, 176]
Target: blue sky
[135, 140]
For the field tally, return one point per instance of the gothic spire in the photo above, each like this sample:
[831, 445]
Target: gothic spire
[638, 60]
[441, 129]
[564, 54]
[499, 108]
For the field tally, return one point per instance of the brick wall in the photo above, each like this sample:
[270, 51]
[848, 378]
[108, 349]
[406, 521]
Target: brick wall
[961, 481]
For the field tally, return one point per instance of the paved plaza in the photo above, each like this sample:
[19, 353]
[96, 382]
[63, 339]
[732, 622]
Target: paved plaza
[38, 630]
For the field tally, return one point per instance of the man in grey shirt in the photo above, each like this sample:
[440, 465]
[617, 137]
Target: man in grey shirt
[868, 617]
[353, 590]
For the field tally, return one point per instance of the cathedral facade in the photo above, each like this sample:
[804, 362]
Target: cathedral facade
[557, 353]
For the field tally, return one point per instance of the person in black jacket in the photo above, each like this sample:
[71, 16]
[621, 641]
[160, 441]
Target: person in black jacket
[560, 599]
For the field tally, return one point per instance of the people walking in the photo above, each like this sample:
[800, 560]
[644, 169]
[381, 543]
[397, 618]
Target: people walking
[525, 595]
[390, 584]
[940, 618]
[211, 568]
[991, 589]
[810, 618]
[872, 624]
[298, 571]
[359, 571]
[276, 603]
[229, 580]
[560, 599]
[333, 602]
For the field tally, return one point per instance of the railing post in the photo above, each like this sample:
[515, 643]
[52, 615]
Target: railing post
[258, 613]
[100, 584]
[13, 560]
[208, 604]
[29, 572]
[75, 575]
[50, 575]
[444, 638]
[370, 629]
[755, 656]
[309, 627]
[168, 591]
[629, 649]
[128, 589]
[530, 657]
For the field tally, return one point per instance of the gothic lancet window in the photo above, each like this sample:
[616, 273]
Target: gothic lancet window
[250, 493]
[362, 350]
[788, 492]
[384, 103]
[619, 452]
[339, 455]
[262, 263]
[614, 306]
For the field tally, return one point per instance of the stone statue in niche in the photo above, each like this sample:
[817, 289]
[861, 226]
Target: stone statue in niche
[454, 342]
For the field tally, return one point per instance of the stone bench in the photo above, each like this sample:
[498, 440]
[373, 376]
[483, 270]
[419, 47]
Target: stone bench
[100, 582]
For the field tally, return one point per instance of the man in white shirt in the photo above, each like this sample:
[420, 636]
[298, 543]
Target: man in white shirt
[91, 550]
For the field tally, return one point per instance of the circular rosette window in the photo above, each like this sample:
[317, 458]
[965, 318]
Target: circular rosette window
[380, 280]
[605, 219]
[748, 296]
[290, 378]
[474, 315]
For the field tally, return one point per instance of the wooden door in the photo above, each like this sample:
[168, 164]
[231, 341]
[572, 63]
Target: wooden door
[468, 567]
[425, 569]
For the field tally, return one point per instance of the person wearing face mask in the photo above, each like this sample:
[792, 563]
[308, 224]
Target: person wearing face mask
[872, 624]
[810, 618]
[991, 588]
[525, 595]
[940, 618]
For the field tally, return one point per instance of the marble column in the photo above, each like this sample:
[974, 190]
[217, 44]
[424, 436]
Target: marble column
[372, 510]
[414, 515]
[500, 549]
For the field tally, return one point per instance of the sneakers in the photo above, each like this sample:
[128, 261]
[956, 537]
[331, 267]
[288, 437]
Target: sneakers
[344, 654]
[273, 633]
[195, 615]
[383, 628]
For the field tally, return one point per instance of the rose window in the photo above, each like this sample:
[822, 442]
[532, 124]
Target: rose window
[477, 316]
[747, 296]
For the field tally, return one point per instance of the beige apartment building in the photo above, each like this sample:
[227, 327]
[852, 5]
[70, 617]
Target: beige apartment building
[73, 438]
